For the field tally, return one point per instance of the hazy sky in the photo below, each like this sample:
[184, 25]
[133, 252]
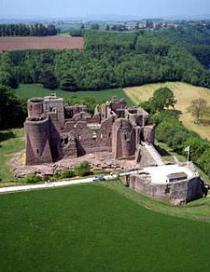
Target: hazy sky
[82, 8]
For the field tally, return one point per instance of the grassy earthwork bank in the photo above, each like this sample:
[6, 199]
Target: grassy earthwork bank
[96, 228]
[184, 94]
[27, 91]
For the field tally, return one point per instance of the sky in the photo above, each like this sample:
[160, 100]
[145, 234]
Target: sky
[25, 9]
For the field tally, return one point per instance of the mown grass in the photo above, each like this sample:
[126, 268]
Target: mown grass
[167, 153]
[11, 141]
[184, 93]
[26, 91]
[92, 228]
[198, 210]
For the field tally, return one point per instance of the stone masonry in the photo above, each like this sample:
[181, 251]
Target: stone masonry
[55, 131]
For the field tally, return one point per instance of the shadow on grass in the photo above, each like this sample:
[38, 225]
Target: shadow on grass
[204, 122]
[6, 135]
[162, 152]
[176, 113]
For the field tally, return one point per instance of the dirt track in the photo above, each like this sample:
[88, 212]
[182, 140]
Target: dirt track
[39, 43]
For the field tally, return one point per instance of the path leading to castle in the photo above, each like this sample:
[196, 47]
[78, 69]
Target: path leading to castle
[48, 185]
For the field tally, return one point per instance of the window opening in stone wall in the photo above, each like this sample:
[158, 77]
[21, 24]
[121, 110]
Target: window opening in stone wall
[94, 135]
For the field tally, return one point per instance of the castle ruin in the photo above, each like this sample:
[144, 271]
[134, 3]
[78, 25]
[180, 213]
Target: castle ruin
[55, 131]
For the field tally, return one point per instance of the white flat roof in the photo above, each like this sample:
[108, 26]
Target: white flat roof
[159, 174]
[53, 98]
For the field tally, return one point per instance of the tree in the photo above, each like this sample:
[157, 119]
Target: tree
[12, 112]
[107, 28]
[137, 26]
[197, 147]
[82, 27]
[68, 83]
[49, 80]
[95, 27]
[204, 161]
[163, 98]
[198, 108]
[74, 32]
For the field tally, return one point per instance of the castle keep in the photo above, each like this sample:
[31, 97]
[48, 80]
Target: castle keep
[55, 131]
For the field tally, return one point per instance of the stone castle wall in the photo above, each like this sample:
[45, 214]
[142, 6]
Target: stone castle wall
[72, 131]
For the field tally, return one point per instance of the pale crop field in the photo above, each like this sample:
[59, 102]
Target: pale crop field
[184, 94]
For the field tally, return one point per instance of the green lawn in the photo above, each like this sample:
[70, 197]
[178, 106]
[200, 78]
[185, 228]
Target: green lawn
[92, 228]
[11, 141]
[196, 210]
[32, 90]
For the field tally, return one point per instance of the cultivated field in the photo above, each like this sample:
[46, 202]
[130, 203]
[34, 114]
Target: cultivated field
[184, 93]
[38, 43]
[92, 228]
[32, 90]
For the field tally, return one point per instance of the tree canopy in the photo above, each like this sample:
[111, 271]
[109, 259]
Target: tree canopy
[12, 113]
[110, 59]
[27, 30]
[198, 108]
[163, 98]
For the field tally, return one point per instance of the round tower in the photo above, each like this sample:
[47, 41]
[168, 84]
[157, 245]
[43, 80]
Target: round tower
[38, 149]
[35, 107]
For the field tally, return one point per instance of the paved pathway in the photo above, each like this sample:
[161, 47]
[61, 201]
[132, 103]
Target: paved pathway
[46, 185]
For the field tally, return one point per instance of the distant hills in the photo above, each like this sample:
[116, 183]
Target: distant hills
[103, 17]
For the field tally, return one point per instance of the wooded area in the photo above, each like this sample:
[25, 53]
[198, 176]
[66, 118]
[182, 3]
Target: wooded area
[27, 30]
[109, 60]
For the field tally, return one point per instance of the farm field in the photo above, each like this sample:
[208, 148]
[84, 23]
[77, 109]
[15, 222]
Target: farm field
[92, 228]
[39, 43]
[184, 93]
[32, 90]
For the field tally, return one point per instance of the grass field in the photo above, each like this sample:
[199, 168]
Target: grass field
[198, 210]
[184, 93]
[92, 228]
[32, 90]
[11, 141]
